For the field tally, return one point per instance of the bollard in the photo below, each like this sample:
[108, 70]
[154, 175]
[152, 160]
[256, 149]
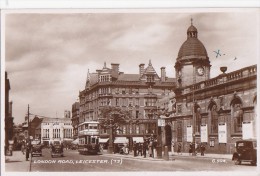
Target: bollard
[166, 153]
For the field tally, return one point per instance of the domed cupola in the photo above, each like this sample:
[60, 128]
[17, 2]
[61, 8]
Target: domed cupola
[192, 31]
[192, 55]
[192, 46]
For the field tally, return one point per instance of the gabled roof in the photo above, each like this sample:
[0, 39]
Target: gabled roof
[150, 71]
[91, 79]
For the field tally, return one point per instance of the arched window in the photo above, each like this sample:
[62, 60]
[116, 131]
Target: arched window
[237, 115]
[214, 119]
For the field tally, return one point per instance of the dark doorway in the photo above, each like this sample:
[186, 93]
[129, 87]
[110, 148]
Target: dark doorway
[168, 136]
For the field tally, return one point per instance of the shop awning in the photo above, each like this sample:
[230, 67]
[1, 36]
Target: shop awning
[121, 140]
[103, 140]
[138, 139]
[76, 141]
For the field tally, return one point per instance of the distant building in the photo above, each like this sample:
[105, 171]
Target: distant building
[67, 114]
[56, 129]
[75, 119]
[8, 114]
[34, 123]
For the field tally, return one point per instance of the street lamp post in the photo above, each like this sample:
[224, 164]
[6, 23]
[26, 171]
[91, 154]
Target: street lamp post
[193, 129]
[159, 141]
[28, 146]
[110, 145]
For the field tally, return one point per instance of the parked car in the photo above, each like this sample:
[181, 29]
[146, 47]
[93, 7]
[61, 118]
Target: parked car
[57, 150]
[36, 148]
[245, 152]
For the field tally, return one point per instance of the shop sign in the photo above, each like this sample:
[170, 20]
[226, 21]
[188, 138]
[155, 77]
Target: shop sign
[247, 130]
[204, 133]
[189, 133]
[222, 132]
[161, 122]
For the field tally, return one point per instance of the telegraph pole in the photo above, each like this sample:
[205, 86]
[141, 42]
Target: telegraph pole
[28, 140]
[28, 114]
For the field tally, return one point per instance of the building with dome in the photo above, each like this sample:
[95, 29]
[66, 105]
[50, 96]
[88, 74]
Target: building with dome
[215, 111]
[196, 108]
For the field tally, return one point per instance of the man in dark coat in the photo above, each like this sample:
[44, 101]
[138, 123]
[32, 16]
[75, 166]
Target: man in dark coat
[135, 148]
[202, 149]
[144, 148]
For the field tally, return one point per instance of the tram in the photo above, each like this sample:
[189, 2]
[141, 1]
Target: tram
[88, 138]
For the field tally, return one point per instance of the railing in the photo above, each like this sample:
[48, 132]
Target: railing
[223, 78]
[105, 95]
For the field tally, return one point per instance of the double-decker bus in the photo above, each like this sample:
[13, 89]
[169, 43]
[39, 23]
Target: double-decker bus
[88, 138]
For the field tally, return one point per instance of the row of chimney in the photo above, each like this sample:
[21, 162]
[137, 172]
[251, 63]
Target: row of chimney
[115, 71]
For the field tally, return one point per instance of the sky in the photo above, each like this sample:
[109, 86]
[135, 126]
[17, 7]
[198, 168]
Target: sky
[47, 55]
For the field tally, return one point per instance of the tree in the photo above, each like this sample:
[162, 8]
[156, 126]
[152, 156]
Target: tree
[112, 118]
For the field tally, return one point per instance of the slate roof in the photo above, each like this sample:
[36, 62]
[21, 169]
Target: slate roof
[192, 46]
[128, 77]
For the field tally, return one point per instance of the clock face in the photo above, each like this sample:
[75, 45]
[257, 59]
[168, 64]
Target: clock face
[200, 71]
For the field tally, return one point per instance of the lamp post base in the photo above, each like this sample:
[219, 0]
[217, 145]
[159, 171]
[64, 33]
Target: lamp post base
[159, 152]
[110, 149]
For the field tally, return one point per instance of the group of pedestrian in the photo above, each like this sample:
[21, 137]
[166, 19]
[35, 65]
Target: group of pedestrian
[140, 149]
[196, 148]
[193, 148]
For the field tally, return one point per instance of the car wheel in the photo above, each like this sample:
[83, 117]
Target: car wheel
[237, 161]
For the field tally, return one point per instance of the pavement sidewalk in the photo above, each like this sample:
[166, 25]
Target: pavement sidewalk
[206, 155]
[172, 156]
[17, 162]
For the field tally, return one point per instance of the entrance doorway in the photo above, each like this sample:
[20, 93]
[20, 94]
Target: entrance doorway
[168, 136]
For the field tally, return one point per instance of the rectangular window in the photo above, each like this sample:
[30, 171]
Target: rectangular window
[179, 108]
[124, 129]
[137, 101]
[117, 101]
[137, 129]
[123, 91]
[179, 131]
[137, 114]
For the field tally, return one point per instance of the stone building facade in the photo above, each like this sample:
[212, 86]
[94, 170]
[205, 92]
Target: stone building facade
[214, 111]
[137, 93]
[75, 119]
[56, 129]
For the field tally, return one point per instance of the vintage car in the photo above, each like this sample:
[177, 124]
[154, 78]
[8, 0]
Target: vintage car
[36, 148]
[245, 152]
[88, 149]
[57, 150]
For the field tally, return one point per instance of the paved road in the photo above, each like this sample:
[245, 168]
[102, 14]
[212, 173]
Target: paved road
[73, 162]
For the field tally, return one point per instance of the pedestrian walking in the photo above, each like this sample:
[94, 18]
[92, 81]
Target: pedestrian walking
[135, 149]
[190, 149]
[179, 148]
[126, 148]
[22, 148]
[144, 148]
[202, 149]
[101, 148]
[151, 149]
[140, 149]
[172, 147]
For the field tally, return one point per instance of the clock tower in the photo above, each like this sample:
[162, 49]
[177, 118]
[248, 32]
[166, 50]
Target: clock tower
[192, 64]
